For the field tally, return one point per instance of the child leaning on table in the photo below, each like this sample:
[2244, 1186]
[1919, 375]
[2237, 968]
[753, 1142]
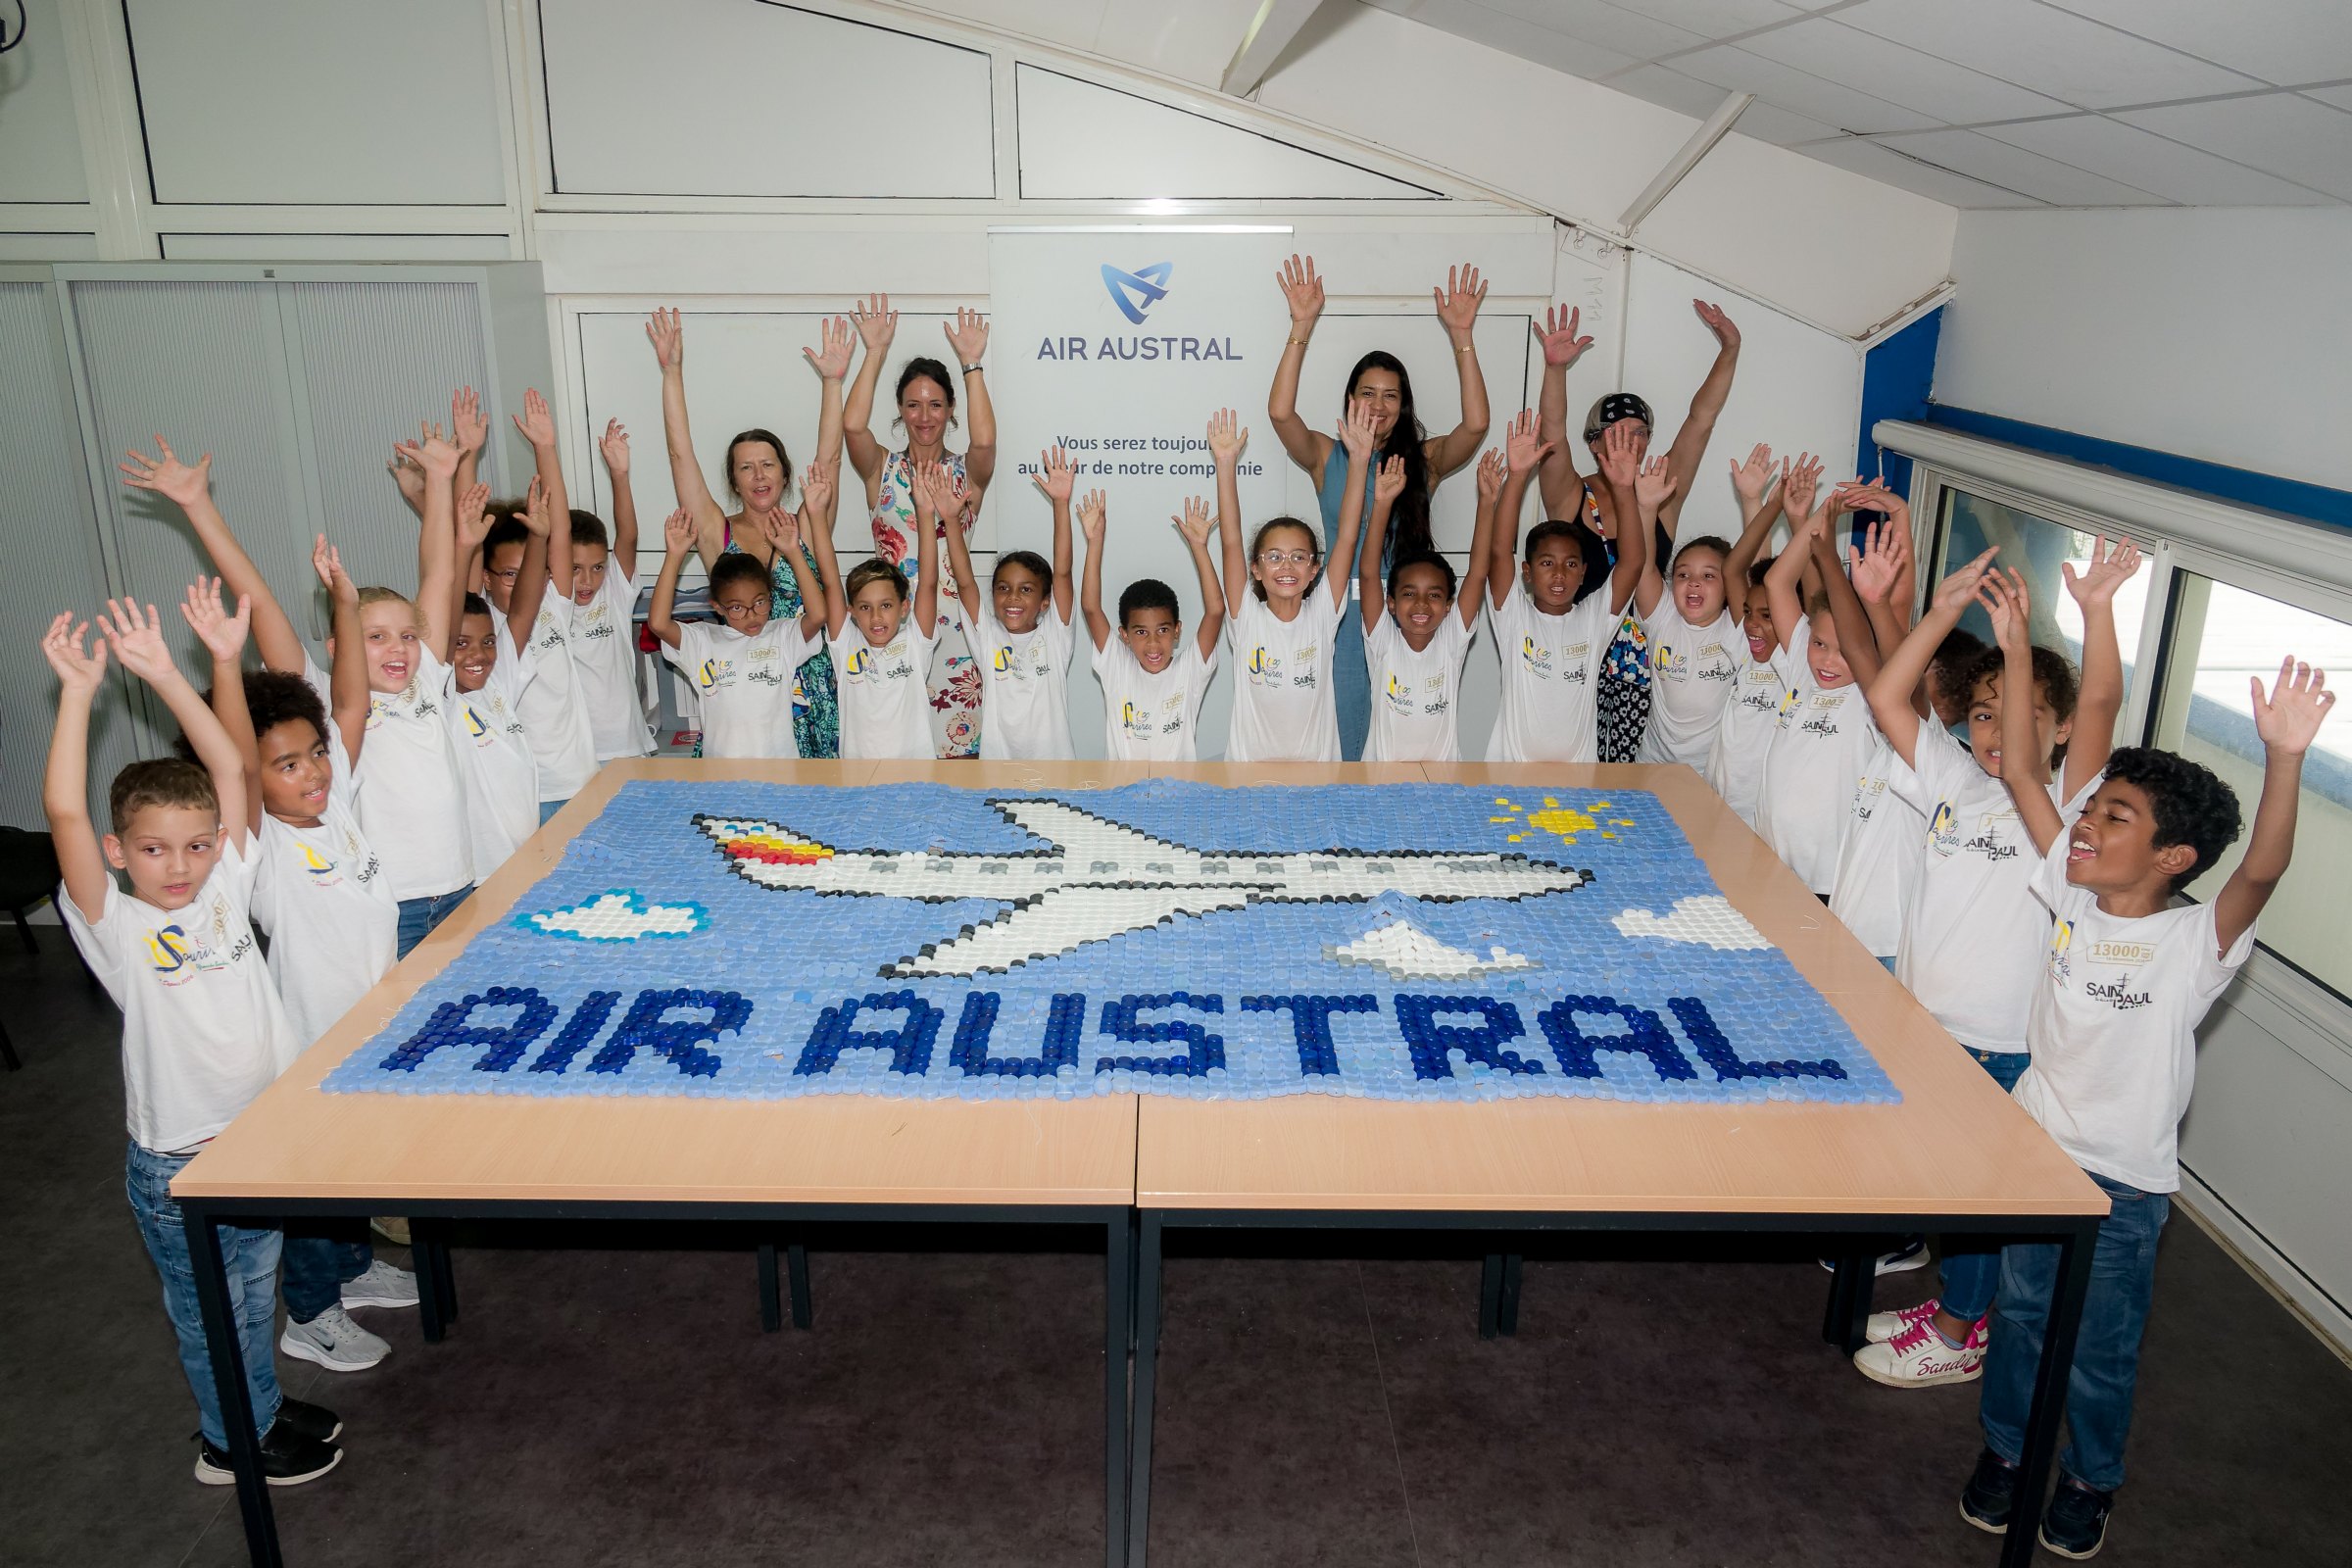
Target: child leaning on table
[2126, 979]
[202, 1031]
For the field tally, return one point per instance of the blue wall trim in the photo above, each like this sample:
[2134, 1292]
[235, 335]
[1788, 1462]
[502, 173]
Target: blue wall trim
[2244, 487]
[1895, 377]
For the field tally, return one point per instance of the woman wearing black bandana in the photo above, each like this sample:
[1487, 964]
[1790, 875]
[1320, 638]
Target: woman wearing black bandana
[1624, 694]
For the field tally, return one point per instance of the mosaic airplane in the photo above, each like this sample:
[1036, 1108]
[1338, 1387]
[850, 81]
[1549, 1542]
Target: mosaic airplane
[1102, 880]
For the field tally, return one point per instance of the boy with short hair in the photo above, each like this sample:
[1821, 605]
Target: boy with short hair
[2127, 978]
[202, 1031]
[1152, 675]
[601, 580]
[1020, 633]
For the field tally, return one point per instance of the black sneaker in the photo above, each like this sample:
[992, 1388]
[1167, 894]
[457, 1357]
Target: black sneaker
[288, 1458]
[313, 1421]
[2075, 1522]
[1991, 1493]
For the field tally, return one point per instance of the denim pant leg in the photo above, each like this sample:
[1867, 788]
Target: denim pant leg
[2099, 1389]
[1971, 1269]
[321, 1255]
[548, 808]
[1350, 684]
[251, 1256]
[419, 916]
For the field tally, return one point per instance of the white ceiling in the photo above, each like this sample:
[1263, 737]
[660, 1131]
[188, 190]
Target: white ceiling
[1985, 103]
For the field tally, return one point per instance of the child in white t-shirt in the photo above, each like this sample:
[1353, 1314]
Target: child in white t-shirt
[203, 1030]
[526, 575]
[1973, 933]
[602, 635]
[2126, 978]
[1417, 628]
[1152, 675]
[1692, 636]
[1551, 615]
[880, 634]
[1751, 704]
[1020, 635]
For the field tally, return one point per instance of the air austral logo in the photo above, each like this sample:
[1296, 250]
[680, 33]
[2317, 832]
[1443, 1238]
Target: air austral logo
[1136, 292]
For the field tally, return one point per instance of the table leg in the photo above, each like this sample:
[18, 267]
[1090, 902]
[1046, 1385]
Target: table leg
[427, 1260]
[1490, 1296]
[1507, 1314]
[1119, 1327]
[1146, 1359]
[445, 1275]
[1848, 1311]
[771, 1305]
[2074, 1250]
[229, 1385]
[796, 1269]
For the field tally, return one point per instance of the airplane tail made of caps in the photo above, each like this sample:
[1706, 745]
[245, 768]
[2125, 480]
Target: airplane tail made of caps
[770, 843]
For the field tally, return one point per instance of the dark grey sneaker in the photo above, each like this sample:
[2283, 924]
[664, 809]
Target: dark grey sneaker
[2076, 1524]
[288, 1459]
[313, 1421]
[1990, 1494]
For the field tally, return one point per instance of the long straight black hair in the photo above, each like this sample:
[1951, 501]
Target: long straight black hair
[1408, 519]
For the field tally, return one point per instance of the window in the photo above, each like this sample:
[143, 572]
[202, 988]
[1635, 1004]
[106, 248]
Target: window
[2222, 637]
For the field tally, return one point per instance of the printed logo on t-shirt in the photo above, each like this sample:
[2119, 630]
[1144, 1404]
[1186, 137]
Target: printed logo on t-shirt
[1536, 656]
[715, 673]
[2123, 955]
[1867, 795]
[322, 872]
[1576, 661]
[1986, 840]
[1265, 667]
[1821, 725]
[2062, 940]
[1787, 706]
[1668, 663]
[1400, 696]
[176, 955]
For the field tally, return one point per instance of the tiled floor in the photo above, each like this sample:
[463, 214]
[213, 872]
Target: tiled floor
[1664, 1402]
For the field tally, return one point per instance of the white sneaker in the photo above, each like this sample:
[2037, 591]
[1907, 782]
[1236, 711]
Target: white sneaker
[1885, 1325]
[381, 1284]
[334, 1342]
[1912, 1254]
[1918, 1357]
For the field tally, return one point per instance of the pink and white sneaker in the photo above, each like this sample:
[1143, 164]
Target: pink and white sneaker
[1885, 1325]
[1918, 1357]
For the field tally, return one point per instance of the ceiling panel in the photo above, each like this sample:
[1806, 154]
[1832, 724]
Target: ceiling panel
[2141, 157]
[1782, 129]
[1800, 91]
[1867, 157]
[1513, 35]
[1719, 18]
[1951, 93]
[2053, 52]
[2307, 142]
[2285, 41]
[1669, 89]
[2341, 97]
[2000, 164]
[1628, 31]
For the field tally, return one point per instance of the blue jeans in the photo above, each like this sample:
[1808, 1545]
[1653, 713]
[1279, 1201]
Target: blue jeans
[252, 1259]
[320, 1256]
[2100, 1388]
[419, 916]
[1352, 684]
[1971, 1269]
[548, 808]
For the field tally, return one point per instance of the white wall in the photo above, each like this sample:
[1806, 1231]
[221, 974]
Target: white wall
[2216, 334]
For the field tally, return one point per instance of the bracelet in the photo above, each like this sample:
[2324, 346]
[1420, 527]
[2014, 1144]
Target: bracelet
[1465, 348]
[1302, 342]
[972, 369]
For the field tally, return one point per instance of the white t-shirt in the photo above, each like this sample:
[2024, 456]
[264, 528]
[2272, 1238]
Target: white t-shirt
[1148, 717]
[1551, 669]
[554, 712]
[494, 748]
[412, 785]
[744, 684]
[1818, 754]
[1881, 859]
[1751, 715]
[1024, 684]
[322, 894]
[1972, 931]
[604, 656]
[1416, 697]
[2114, 1027]
[1283, 708]
[203, 1030]
[1692, 673]
[885, 704]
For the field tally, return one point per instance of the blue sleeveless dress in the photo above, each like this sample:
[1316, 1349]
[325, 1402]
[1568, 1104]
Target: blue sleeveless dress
[1351, 681]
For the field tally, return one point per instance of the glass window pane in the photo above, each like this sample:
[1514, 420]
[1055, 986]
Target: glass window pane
[2038, 548]
[2223, 638]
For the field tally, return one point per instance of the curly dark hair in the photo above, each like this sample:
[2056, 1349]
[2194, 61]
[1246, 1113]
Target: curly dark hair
[1148, 593]
[2192, 806]
[2052, 675]
[1951, 671]
[272, 698]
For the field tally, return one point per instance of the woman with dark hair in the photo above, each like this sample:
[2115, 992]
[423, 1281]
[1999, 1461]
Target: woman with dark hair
[1381, 383]
[758, 477]
[925, 393]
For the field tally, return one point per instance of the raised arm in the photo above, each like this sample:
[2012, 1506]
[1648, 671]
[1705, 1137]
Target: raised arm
[817, 541]
[1090, 592]
[472, 526]
[470, 434]
[1563, 346]
[224, 637]
[1752, 484]
[1482, 538]
[537, 426]
[2288, 720]
[137, 638]
[65, 783]
[1524, 453]
[436, 541]
[1707, 405]
[1302, 291]
[1226, 439]
[1653, 486]
[1900, 673]
[531, 578]
[1781, 582]
[967, 340]
[877, 325]
[1195, 524]
[191, 490]
[1876, 566]
[347, 682]
[677, 540]
[1458, 309]
[2024, 768]
[1855, 639]
[2101, 696]
[931, 484]
[1355, 433]
[1386, 485]
[1621, 468]
[1055, 478]
[613, 446]
[666, 330]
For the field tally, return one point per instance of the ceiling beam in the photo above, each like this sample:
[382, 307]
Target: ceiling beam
[1702, 141]
[1270, 32]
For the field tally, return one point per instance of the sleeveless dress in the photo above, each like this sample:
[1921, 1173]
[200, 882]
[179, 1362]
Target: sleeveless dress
[815, 706]
[1351, 680]
[956, 679]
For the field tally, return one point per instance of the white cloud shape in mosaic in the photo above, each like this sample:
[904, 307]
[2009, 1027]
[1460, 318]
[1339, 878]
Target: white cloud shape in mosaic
[618, 917]
[1409, 952]
[1708, 921]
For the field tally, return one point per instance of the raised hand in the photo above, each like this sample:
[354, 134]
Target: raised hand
[1355, 432]
[1226, 437]
[1621, 455]
[1091, 514]
[967, 335]
[668, 338]
[328, 561]
[782, 530]
[2289, 717]
[615, 445]
[2105, 571]
[876, 322]
[1956, 591]
[1195, 523]
[831, 356]
[1726, 332]
[469, 425]
[1798, 486]
[538, 426]
[1491, 471]
[1523, 447]
[678, 534]
[1458, 301]
[410, 477]
[1654, 484]
[167, 476]
[1750, 479]
[473, 518]
[535, 516]
[816, 484]
[2009, 604]
[137, 638]
[1054, 475]
[1389, 482]
[1879, 562]
[935, 490]
[1558, 335]
[61, 645]
[434, 455]
[1301, 291]
[221, 633]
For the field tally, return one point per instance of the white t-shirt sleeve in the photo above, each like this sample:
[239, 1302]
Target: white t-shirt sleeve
[693, 646]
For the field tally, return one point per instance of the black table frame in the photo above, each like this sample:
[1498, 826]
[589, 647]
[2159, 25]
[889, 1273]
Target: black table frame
[2076, 1235]
[437, 1297]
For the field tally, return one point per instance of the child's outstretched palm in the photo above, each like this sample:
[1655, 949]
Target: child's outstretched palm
[1620, 458]
[831, 356]
[1492, 471]
[935, 489]
[2105, 571]
[1054, 475]
[1523, 448]
[1800, 485]
[1956, 590]
[816, 486]
[1750, 479]
[61, 645]
[613, 444]
[2299, 701]
[534, 423]
[1226, 437]
[473, 518]
[2009, 606]
[1091, 514]
[469, 425]
[1562, 345]
[221, 633]
[1195, 523]
[677, 532]
[137, 637]
[328, 561]
[1654, 484]
[1355, 432]
[1878, 563]
[535, 516]
[175, 481]
[1389, 483]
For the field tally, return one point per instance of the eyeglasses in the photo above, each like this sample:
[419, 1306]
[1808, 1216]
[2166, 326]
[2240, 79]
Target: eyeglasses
[746, 608]
[1286, 558]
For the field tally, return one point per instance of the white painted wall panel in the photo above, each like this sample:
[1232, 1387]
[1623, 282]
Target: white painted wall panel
[43, 142]
[335, 247]
[747, 98]
[288, 100]
[48, 247]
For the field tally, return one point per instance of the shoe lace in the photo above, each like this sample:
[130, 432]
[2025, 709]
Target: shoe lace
[1914, 1335]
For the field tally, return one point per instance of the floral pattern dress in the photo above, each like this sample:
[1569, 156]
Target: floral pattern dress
[956, 679]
